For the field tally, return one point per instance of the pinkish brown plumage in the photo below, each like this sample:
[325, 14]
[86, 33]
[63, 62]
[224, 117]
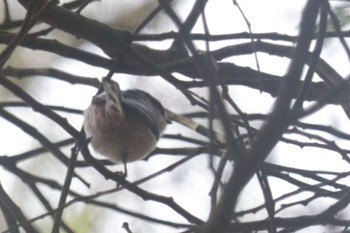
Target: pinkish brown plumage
[124, 126]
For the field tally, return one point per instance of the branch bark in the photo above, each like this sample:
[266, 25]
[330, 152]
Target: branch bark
[272, 130]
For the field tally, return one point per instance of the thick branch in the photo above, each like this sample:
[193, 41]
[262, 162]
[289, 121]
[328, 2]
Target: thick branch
[271, 132]
[110, 40]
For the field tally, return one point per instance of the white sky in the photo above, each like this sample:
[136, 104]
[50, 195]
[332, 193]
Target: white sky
[223, 17]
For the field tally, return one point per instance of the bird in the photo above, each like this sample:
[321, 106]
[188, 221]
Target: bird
[126, 125]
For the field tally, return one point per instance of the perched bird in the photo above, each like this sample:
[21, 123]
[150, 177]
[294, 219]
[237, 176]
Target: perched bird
[124, 126]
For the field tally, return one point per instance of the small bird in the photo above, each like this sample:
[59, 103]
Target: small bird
[124, 126]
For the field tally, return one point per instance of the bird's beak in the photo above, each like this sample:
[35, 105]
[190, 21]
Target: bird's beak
[113, 96]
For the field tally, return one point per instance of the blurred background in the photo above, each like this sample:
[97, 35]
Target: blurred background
[190, 183]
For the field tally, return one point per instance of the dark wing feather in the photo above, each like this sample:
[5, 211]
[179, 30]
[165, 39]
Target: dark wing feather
[141, 106]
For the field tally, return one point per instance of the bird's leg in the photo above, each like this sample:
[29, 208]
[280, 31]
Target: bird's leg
[113, 97]
[125, 169]
[125, 160]
[122, 174]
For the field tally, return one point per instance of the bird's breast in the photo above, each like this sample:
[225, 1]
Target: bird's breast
[120, 139]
